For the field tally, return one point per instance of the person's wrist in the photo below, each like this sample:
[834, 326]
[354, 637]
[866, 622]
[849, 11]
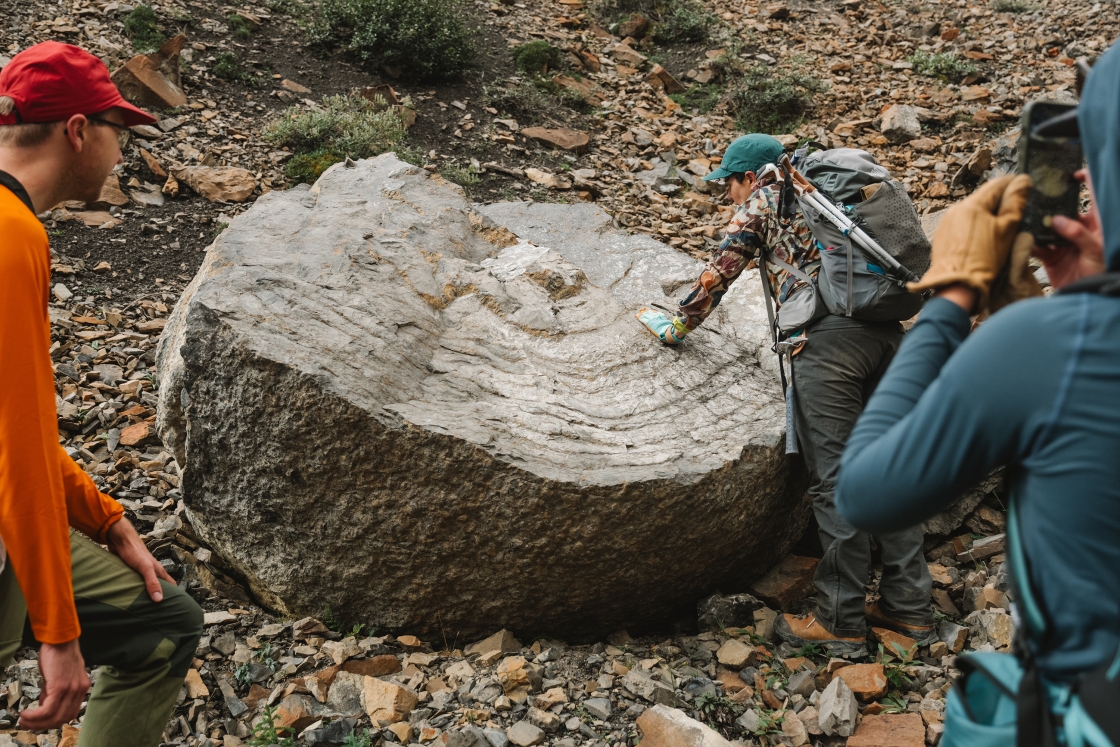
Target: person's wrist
[962, 295]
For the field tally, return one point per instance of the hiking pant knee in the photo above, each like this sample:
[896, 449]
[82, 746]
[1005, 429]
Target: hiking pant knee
[834, 375]
[143, 648]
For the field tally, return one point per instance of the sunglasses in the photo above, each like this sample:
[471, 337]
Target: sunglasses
[123, 132]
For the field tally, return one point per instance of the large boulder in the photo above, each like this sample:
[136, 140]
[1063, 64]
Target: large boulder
[427, 414]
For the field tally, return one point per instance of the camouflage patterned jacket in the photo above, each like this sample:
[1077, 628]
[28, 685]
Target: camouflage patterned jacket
[755, 226]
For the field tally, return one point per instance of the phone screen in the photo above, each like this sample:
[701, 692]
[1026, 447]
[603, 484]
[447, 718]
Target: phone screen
[1051, 162]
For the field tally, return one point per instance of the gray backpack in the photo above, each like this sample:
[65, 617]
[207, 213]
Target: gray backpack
[849, 283]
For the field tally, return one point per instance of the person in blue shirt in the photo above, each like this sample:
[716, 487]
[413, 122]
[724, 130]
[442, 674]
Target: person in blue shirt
[1035, 388]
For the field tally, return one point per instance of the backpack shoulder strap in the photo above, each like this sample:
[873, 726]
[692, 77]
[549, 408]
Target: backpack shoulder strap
[17, 189]
[1104, 284]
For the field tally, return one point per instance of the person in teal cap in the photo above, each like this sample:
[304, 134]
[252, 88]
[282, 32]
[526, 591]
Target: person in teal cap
[835, 372]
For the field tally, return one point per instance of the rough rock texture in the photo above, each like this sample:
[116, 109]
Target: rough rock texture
[900, 123]
[951, 518]
[669, 727]
[389, 404]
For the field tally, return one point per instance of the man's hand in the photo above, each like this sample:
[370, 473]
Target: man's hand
[65, 684]
[126, 544]
[1068, 264]
[974, 238]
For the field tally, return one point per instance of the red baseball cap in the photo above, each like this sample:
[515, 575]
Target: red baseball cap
[52, 82]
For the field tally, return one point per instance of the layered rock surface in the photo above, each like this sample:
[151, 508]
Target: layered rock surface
[388, 403]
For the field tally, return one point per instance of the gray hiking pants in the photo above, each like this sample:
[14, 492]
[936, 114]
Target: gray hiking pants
[834, 375]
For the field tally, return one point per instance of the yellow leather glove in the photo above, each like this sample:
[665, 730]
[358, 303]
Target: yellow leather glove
[973, 240]
[1016, 281]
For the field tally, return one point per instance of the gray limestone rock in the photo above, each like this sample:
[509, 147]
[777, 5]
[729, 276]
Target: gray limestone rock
[838, 711]
[900, 123]
[600, 708]
[524, 734]
[801, 683]
[385, 399]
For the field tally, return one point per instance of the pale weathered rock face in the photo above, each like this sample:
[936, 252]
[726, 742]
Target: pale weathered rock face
[388, 403]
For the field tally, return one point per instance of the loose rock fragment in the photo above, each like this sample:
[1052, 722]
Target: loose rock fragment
[384, 700]
[838, 711]
[789, 581]
[890, 730]
[867, 681]
[669, 727]
[524, 734]
[154, 80]
[900, 123]
[217, 183]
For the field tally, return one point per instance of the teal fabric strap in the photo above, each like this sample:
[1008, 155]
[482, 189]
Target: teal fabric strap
[1036, 621]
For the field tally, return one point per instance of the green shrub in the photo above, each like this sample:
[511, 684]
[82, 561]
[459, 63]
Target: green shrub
[427, 39]
[944, 65]
[293, 8]
[701, 98]
[1012, 6]
[536, 57]
[765, 102]
[346, 126]
[674, 21]
[238, 26]
[228, 66]
[140, 27]
[684, 22]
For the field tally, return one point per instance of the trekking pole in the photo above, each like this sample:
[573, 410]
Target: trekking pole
[836, 216]
[788, 348]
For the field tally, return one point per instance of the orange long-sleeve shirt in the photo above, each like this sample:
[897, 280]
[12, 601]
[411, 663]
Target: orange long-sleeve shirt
[42, 490]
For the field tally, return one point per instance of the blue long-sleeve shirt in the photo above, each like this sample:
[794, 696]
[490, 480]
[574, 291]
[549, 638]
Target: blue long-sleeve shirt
[1036, 388]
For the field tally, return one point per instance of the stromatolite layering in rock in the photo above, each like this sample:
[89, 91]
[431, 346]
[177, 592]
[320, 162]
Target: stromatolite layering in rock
[388, 403]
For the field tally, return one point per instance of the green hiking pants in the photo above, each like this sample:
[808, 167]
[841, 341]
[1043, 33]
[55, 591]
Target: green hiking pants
[144, 648]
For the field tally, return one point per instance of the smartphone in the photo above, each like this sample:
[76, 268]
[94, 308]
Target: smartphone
[1050, 161]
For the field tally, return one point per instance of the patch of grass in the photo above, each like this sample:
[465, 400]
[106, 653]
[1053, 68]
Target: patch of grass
[718, 713]
[522, 101]
[464, 177]
[218, 228]
[353, 739]
[1012, 6]
[428, 40]
[767, 102]
[346, 126]
[536, 57]
[267, 732]
[699, 98]
[238, 26]
[944, 65]
[809, 650]
[141, 27]
[182, 16]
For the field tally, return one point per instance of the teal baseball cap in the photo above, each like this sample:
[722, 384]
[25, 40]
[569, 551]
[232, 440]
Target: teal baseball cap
[747, 153]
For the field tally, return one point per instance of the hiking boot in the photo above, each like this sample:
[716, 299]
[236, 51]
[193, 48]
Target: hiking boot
[802, 630]
[877, 618]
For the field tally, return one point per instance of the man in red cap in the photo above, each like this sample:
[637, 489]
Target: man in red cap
[60, 122]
